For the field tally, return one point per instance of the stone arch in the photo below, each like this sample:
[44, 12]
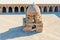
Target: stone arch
[16, 9]
[26, 8]
[56, 9]
[34, 26]
[40, 8]
[22, 9]
[4, 9]
[45, 9]
[50, 9]
[10, 9]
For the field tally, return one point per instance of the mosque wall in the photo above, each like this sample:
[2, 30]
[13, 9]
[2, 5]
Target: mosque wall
[6, 8]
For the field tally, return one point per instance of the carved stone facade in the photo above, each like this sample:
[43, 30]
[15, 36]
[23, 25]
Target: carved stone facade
[33, 19]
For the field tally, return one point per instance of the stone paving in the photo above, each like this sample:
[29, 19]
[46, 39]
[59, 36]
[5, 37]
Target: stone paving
[10, 28]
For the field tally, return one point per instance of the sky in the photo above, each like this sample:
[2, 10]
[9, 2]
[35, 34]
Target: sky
[29, 1]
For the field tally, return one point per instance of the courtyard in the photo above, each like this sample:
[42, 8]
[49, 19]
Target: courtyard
[11, 28]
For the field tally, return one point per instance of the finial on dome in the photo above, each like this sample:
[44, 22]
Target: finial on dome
[33, 2]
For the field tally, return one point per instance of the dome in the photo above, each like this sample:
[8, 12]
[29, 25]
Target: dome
[34, 8]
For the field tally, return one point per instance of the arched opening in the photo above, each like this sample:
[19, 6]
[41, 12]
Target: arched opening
[50, 9]
[56, 9]
[4, 10]
[16, 9]
[22, 9]
[10, 9]
[45, 9]
[26, 8]
[34, 26]
[40, 8]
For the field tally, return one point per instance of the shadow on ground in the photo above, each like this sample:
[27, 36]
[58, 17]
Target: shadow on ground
[15, 32]
[18, 31]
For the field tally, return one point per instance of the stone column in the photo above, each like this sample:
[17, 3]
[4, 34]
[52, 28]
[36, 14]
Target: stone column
[0, 10]
[58, 8]
[7, 9]
[18, 9]
[25, 9]
[53, 8]
[13, 10]
[42, 9]
[47, 9]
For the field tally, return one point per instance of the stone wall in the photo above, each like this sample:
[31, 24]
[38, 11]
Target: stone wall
[43, 7]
